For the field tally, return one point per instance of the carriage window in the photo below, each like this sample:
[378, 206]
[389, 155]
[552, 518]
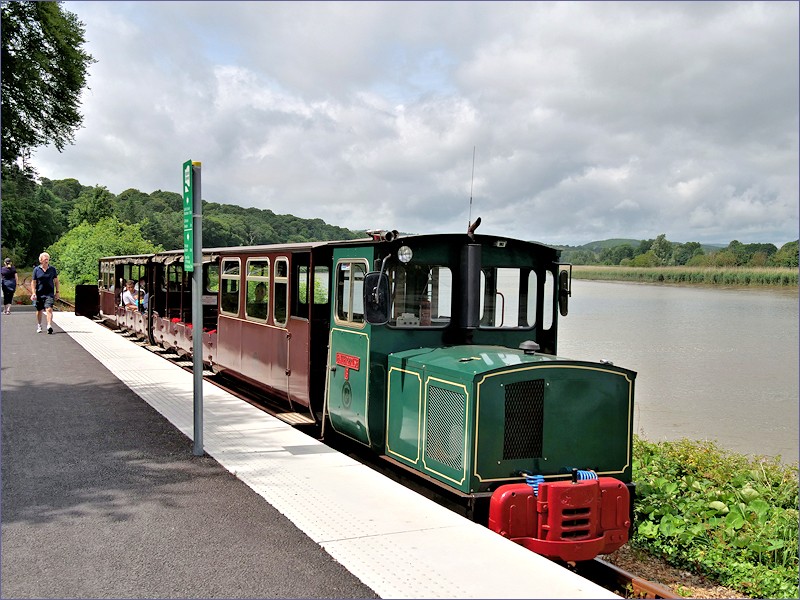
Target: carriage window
[175, 277]
[421, 295]
[257, 289]
[321, 291]
[300, 286]
[350, 291]
[107, 270]
[281, 291]
[212, 279]
[508, 298]
[229, 286]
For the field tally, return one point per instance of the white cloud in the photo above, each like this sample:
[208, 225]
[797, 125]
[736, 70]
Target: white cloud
[588, 120]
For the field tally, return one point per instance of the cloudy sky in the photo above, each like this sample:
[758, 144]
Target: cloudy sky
[586, 120]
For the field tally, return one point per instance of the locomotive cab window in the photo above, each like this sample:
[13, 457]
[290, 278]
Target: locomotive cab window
[550, 299]
[508, 298]
[421, 295]
[350, 291]
[229, 286]
[257, 289]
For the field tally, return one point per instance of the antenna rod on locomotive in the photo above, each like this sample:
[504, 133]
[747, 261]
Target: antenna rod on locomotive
[471, 182]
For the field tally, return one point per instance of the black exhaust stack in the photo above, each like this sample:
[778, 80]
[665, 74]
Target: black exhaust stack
[470, 289]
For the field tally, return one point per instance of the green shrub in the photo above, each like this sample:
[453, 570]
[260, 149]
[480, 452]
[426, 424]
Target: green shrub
[720, 514]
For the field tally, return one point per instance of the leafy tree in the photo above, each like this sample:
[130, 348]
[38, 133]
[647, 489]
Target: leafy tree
[662, 249]
[92, 205]
[31, 216]
[220, 230]
[644, 246]
[648, 259]
[616, 254]
[132, 206]
[47, 222]
[75, 254]
[165, 229]
[787, 256]
[579, 257]
[725, 258]
[17, 192]
[44, 70]
[67, 190]
[682, 253]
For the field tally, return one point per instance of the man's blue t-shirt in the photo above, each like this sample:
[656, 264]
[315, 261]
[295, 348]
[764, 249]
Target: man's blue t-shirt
[44, 280]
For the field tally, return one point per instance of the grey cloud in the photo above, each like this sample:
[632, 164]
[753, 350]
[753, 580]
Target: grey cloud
[589, 120]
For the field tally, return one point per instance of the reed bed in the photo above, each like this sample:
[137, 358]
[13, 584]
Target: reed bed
[727, 276]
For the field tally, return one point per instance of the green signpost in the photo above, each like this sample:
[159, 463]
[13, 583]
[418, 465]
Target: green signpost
[193, 246]
[188, 210]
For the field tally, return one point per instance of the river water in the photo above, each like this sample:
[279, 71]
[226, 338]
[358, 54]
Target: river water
[712, 364]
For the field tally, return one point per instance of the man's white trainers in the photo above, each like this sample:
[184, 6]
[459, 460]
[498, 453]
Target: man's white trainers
[39, 328]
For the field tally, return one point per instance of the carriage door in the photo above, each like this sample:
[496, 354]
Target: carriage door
[349, 353]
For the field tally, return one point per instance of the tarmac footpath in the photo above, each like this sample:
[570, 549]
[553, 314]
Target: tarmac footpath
[102, 497]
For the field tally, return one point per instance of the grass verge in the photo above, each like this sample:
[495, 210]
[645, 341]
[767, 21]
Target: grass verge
[727, 276]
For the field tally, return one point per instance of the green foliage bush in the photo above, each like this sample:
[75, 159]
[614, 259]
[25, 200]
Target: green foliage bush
[724, 515]
[77, 252]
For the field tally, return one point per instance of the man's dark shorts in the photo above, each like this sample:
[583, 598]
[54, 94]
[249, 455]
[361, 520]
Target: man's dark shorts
[43, 302]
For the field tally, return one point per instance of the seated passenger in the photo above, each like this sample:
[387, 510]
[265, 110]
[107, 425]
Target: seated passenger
[258, 309]
[143, 298]
[129, 295]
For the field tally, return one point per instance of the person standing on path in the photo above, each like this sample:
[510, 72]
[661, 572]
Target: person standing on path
[10, 283]
[44, 290]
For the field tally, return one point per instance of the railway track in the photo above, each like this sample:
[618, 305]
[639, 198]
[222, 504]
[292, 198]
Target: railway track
[600, 572]
[620, 581]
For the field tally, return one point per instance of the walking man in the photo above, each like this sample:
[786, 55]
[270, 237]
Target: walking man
[44, 289]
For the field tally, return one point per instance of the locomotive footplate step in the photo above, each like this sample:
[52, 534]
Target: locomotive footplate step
[295, 418]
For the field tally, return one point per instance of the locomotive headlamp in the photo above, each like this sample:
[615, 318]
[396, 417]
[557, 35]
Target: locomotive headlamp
[404, 254]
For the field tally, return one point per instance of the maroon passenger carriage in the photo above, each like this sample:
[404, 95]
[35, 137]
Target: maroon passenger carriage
[275, 341]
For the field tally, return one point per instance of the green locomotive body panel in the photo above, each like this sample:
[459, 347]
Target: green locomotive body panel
[474, 417]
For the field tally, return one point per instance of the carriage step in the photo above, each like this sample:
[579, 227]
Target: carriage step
[295, 418]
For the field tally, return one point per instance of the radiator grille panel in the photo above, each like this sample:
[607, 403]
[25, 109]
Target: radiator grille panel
[445, 427]
[524, 420]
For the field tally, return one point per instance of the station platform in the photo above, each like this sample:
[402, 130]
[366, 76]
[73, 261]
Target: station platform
[102, 497]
